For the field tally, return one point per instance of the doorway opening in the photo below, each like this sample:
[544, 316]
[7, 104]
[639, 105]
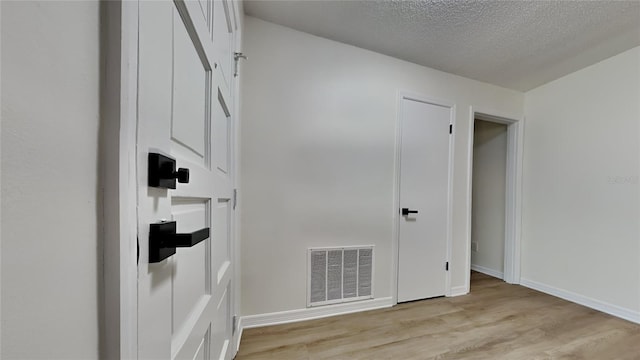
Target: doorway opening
[495, 158]
[488, 194]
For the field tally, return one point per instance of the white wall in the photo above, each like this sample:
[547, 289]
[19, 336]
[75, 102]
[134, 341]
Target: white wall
[50, 118]
[581, 204]
[317, 156]
[488, 199]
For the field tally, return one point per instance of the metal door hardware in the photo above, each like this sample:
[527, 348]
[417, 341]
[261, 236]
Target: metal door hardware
[163, 240]
[163, 174]
[237, 56]
[406, 211]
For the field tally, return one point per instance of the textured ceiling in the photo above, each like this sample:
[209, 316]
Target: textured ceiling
[515, 44]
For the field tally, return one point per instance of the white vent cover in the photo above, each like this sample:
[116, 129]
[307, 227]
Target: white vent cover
[338, 275]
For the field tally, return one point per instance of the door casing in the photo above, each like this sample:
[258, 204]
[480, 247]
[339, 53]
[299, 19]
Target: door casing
[513, 199]
[119, 307]
[402, 95]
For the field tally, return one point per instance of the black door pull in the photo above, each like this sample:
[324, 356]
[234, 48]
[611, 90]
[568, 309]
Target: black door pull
[190, 239]
[406, 211]
[163, 174]
[163, 240]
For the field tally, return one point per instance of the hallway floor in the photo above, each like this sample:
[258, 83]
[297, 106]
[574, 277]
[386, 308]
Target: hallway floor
[495, 321]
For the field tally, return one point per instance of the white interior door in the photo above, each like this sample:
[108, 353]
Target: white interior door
[424, 186]
[185, 302]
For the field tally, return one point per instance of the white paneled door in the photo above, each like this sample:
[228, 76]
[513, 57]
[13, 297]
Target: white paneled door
[424, 209]
[185, 269]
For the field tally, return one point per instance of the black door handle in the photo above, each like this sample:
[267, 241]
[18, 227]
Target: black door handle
[190, 239]
[406, 211]
[163, 174]
[163, 240]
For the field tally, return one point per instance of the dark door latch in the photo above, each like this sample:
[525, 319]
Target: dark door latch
[163, 240]
[163, 174]
[406, 211]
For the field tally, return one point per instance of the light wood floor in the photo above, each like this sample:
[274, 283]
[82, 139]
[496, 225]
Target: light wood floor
[495, 321]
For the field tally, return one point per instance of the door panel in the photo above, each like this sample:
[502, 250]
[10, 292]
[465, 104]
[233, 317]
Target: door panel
[223, 38]
[191, 85]
[223, 128]
[202, 353]
[221, 247]
[424, 186]
[221, 329]
[184, 307]
[192, 266]
[222, 134]
[205, 7]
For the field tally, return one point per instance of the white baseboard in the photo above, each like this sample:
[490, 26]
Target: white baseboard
[284, 317]
[487, 271]
[623, 313]
[458, 290]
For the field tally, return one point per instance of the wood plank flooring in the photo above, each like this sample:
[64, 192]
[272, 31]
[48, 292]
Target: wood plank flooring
[495, 321]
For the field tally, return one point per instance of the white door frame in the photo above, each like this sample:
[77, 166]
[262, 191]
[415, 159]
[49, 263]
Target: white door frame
[402, 95]
[119, 332]
[118, 136]
[513, 198]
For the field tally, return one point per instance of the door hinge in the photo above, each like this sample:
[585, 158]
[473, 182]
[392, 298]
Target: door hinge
[235, 198]
[237, 56]
[450, 128]
[446, 266]
[234, 324]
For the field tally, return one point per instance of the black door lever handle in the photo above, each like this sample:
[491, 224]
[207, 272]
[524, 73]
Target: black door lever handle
[163, 240]
[406, 211]
[190, 239]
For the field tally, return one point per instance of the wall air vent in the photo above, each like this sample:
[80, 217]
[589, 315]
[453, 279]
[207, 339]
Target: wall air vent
[338, 275]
